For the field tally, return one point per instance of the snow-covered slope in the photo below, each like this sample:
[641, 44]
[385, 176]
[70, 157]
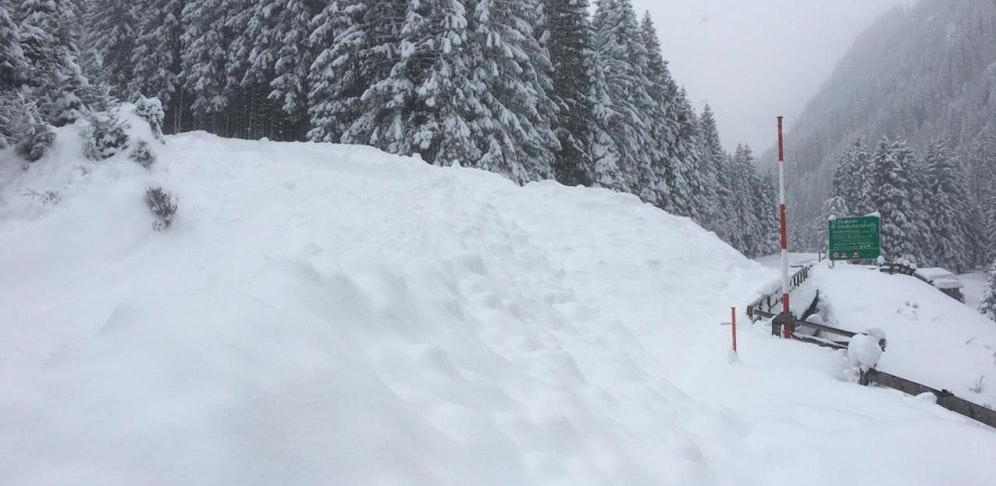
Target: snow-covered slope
[322, 314]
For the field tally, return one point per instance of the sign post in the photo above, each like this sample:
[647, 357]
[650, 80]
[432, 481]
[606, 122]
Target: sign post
[855, 238]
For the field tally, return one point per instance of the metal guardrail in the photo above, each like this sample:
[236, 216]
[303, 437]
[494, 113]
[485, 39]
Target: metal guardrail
[767, 303]
[893, 268]
[763, 308]
[945, 398]
[779, 320]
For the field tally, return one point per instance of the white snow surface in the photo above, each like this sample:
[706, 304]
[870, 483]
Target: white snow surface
[323, 314]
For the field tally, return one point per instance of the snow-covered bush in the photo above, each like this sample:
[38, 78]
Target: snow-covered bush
[106, 136]
[151, 110]
[47, 198]
[988, 305]
[36, 142]
[143, 154]
[163, 206]
[979, 386]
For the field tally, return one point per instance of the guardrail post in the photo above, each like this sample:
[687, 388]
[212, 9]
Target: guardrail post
[781, 325]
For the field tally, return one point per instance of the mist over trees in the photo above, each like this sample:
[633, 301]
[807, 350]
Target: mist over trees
[530, 89]
[906, 126]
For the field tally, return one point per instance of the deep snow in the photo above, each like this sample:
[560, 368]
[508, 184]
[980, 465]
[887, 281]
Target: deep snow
[322, 314]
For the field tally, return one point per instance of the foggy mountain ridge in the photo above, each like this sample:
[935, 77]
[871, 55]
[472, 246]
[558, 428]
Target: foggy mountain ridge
[917, 74]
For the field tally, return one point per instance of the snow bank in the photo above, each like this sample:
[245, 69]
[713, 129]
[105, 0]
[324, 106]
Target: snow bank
[322, 314]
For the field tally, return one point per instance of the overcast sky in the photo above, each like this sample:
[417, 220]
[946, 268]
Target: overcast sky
[753, 60]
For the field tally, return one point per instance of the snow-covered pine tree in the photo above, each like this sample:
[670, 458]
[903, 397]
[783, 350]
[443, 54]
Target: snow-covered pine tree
[293, 59]
[948, 209]
[249, 112]
[352, 52]
[981, 161]
[406, 38]
[687, 187]
[568, 38]
[987, 306]
[834, 207]
[714, 161]
[748, 231]
[446, 99]
[157, 58]
[204, 60]
[843, 175]
[50, 44]
[852, 179]
[267, 63]
[662, 182]
[704, 179]
[864, 181]
[606, 170]
[921, 233]
[112, 32]
[769, 226]
[513, 71]
[988, 241]
[891, 164]
[427, 101]
[733, 177]
[13, 69]
[323, 87]
[254, 49]
[12, 63]
[624, 144]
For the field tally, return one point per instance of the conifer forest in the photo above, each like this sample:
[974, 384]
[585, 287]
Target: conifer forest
[531, 89]
[570, 90]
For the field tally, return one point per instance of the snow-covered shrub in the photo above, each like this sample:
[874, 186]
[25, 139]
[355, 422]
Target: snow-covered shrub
[979, 386]
[163, 206]
[143, 154]
[36, 142]
[47, 198]
[105, 137]
[151, 110]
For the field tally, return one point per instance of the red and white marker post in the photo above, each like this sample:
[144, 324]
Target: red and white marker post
[787, 328]
[733, 323]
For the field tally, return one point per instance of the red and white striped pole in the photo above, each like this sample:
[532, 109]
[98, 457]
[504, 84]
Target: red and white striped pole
[733, 322]
[787, 328]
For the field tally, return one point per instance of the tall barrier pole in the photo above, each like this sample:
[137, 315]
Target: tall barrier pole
[787, 330]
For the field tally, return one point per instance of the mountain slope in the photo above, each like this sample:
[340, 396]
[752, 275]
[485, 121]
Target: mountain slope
[917, 73]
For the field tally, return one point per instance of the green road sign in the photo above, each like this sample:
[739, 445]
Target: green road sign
[855, 238]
